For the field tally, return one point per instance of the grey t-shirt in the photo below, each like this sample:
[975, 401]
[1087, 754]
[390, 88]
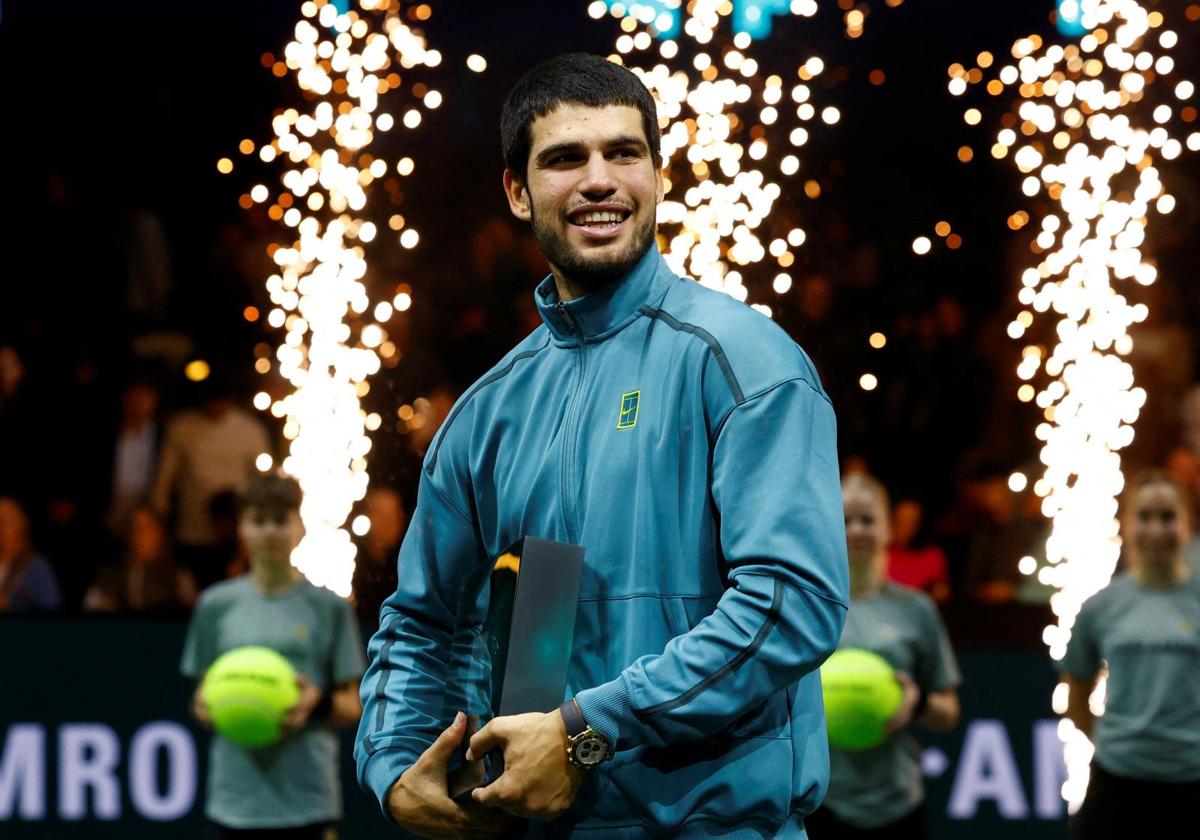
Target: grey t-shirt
[1150, 639]
[880, 785]
[293, 782]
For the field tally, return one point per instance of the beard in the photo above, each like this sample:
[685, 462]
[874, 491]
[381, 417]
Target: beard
[587, 272]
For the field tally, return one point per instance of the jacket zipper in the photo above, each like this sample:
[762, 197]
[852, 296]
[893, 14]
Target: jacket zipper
[569, 442]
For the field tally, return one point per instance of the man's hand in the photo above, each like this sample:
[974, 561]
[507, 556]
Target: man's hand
[419, 800]
[538, 779]
[298, 715]
[472, 773]
[908, 704]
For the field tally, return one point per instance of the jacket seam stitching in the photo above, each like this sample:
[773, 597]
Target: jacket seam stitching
[445, 497]
[763, 393]
[380, 688]
[792, 584]
[661, 597]
[709, 339]
[742, 656]
[479, 386]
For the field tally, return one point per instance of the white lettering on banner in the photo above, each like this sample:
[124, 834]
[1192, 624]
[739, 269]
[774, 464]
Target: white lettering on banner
[1049, 771]
[87, 759]
[23, 772]
[180, 794]
[987, 771]
[89, 755]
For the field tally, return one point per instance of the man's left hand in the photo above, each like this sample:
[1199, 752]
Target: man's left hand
[538, 779]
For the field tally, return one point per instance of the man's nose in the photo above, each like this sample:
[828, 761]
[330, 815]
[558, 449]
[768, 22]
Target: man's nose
[598, 180]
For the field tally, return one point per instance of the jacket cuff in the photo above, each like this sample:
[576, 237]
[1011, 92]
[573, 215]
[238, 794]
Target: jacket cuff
[381, 772]
[606, 708]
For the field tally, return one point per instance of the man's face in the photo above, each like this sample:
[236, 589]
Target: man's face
[590, 189]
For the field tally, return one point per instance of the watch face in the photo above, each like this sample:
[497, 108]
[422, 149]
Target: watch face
[590, 751]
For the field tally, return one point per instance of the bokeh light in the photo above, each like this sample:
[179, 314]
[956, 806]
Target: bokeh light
[342, 63]
[1087, 131]
[732, 135]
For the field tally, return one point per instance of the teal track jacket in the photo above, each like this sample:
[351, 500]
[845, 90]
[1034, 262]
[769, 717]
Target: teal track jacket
[686, 442]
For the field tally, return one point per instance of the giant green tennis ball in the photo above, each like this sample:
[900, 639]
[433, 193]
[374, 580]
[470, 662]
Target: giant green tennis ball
[861, 694]
[248, 691]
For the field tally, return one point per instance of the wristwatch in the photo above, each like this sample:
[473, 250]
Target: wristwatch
[586, 747]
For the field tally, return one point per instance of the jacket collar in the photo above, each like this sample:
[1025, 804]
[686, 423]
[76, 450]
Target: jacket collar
[597, 315]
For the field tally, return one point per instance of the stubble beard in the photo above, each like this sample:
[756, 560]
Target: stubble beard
[590, 273]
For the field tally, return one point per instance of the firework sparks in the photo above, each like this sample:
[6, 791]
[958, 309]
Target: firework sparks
[731, 136]
[340, 62]
[1088, 130]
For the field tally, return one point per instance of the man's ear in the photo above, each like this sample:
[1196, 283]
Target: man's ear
[659, 193]
[517, 195]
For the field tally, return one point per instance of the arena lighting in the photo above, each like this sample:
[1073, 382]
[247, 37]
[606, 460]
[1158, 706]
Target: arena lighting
[341, 61]
[732, 135]
[1090, 125]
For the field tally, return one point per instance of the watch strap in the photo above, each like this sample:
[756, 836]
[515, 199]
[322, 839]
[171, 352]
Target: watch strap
[573, 718]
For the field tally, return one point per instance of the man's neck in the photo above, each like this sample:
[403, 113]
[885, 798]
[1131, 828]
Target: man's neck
[569, 289]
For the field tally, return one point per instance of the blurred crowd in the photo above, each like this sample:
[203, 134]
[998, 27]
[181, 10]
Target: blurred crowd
[120, 476]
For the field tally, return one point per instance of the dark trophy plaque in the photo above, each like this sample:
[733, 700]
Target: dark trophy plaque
[517, 661]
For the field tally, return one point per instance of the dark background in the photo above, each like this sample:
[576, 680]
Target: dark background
[111, 110]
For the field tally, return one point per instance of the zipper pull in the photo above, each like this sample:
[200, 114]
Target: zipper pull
[561, 306]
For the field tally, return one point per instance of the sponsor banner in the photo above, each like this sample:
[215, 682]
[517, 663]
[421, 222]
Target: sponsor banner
[96, 741]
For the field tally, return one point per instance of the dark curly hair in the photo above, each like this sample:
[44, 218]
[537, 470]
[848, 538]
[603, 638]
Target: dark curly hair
[571, 79]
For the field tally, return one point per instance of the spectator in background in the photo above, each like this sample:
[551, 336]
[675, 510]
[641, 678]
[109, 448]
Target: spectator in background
[1145, 627]
[27, 581]
[879, 792]
[223, 514]
[146, 580]
[135, 454]
[920, 567]
[428, 413]
[375, 568]
[205, 452]
[1189, 420]
[1183, 467]
[18, 426]
[289, 790]
[1012, 528]
[147, 258]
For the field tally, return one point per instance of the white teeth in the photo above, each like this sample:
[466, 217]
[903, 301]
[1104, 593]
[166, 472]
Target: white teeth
[599, 218]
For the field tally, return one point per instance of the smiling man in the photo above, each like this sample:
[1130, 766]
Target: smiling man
[686, 442]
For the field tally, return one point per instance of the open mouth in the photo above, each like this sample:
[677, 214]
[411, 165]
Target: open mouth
[599, 223]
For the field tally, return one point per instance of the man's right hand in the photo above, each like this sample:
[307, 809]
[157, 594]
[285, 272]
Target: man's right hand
[420, 801]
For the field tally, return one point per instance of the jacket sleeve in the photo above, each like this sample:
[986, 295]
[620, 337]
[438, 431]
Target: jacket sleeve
[404, 692]
[776, 487]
